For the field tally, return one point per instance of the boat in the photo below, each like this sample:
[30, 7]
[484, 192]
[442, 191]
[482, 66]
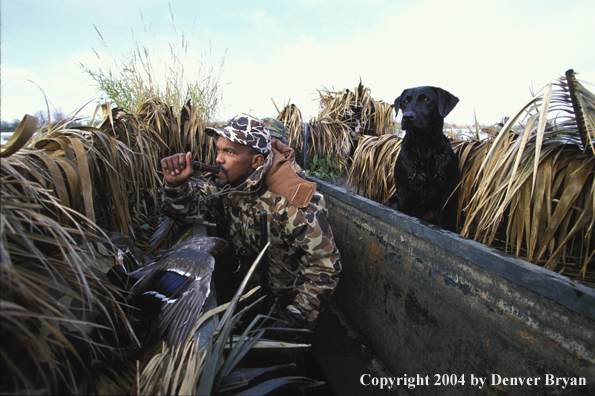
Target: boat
[444, 313]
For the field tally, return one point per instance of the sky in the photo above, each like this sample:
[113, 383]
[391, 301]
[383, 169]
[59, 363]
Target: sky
[490, 54]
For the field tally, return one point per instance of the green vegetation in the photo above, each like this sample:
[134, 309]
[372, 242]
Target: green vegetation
[323, 167]
[141, 75]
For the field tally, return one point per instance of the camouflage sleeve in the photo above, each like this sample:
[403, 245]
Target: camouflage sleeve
[320, 266]
[189, 199]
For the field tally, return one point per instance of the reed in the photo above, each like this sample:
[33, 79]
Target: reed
[527, 188]
[177, 77]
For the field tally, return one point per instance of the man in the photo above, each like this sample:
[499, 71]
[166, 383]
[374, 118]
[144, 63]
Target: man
[259, 178]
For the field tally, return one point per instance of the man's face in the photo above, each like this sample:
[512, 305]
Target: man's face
[235, 161]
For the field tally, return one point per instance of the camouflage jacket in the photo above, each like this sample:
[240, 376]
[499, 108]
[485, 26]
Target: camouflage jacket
[303, 260]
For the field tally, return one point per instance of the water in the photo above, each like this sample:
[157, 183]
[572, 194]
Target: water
[5, 137]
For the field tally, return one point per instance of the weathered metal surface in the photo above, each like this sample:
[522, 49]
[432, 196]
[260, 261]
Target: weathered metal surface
[432, 303]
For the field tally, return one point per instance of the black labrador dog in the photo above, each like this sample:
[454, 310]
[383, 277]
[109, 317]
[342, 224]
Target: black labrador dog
[426, 169]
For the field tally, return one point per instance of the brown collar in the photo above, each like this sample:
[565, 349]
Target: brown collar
[282, 179]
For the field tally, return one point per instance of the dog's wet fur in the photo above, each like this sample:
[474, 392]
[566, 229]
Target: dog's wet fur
[426, 170]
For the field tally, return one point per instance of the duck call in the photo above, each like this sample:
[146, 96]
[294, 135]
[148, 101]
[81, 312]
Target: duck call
[199, 166]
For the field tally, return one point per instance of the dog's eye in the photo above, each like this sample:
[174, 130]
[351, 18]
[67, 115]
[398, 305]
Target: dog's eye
[406, 101]
[426, 99]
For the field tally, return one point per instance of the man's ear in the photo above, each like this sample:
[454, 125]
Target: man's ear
[257, 160]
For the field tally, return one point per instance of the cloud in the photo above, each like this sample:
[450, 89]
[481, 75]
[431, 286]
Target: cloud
[490, 56]
[20, 92]
[62, 87]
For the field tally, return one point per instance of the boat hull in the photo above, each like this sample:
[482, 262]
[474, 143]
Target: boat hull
[431, 303]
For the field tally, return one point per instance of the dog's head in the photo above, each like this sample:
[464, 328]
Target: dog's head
[424, 108]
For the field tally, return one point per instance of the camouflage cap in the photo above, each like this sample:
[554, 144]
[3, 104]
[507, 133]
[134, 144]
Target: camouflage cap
[246, 130]
[275, 127]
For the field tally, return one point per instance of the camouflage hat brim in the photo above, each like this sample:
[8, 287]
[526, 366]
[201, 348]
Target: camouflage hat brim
[245, 130]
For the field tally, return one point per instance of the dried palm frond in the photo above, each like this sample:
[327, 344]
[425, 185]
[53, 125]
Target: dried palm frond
[112, 169]
[20, 136]
[373, 165]
[116, 163]
[97, 174]
[343, 118]
[384, 118]
[539, 183]
[50, 297]
[329, 138]
[291, 117]
[178, 133]
[362, 114]
[51, 197]
[325, 137]
[471, 153]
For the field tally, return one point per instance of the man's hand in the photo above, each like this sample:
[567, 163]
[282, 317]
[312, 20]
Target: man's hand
[177, 168]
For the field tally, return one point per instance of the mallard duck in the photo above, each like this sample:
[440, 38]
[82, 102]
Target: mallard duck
[175, 284]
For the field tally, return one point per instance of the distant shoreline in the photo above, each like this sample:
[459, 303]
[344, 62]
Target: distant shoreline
[5, 136]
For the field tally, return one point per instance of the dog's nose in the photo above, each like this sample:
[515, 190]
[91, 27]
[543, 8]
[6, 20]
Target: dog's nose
[409, 116]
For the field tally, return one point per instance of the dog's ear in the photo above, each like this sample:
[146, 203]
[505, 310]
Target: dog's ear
[398, 103]
[446, 102]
